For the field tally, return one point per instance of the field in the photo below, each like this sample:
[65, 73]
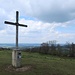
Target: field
[37, 64]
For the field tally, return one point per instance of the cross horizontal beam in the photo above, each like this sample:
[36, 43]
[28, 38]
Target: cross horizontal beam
[6, 22]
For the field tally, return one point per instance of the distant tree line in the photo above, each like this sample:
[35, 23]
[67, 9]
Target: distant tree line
[1, 48]
[52, 48]
[55, 49]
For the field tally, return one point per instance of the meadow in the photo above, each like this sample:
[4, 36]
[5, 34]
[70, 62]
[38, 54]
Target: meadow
[39, 64]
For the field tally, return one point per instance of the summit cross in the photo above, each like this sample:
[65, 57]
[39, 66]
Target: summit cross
[16, 53]
[16, 24]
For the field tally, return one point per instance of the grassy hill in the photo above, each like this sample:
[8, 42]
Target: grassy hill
[39, 64]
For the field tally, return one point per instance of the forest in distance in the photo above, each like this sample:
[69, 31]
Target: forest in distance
[50, 47]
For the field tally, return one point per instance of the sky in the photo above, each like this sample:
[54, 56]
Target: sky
[47, 20]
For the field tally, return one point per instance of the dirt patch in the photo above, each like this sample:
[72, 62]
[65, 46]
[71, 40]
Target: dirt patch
[10, 68]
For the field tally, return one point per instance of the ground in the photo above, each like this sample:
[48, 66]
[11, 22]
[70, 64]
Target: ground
[37, 64]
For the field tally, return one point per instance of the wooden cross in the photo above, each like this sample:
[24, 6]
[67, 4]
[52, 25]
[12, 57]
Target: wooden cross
[16, 24]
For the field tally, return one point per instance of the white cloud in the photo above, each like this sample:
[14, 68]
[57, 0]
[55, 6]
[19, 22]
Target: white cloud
[48, 16]
[37, 31]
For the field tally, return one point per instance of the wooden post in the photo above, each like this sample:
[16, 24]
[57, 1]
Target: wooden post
[16, 29]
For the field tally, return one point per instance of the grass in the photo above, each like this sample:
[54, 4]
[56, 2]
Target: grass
[41, 64]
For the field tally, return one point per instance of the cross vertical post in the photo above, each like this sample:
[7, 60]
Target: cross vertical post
[16, 29]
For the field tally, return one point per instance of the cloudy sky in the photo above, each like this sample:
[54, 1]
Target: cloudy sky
[46, 19]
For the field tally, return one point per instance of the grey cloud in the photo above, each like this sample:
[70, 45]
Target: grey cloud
[44, 10]
[53, 11]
